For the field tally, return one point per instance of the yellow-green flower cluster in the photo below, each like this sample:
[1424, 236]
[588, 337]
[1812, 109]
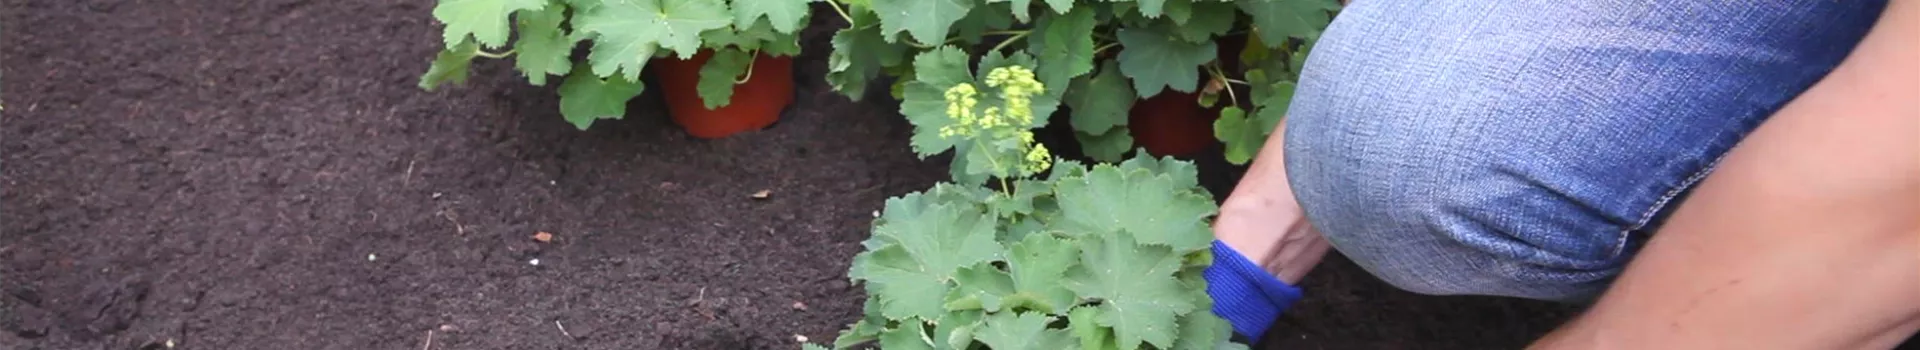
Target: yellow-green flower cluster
[960, 102]
[1038, 159]
[1010, 120]
[1017, 86]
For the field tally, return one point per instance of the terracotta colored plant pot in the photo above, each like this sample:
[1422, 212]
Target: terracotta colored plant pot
[1171, 123]
[755, 104]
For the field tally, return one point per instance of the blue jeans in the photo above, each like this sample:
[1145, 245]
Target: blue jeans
[1526, 148]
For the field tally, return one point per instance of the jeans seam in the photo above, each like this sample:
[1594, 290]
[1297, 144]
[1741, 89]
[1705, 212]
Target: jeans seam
[1646, 217]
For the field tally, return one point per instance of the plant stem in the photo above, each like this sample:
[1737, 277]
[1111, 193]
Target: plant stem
[1232, 97]
[908, 39]
[1214, 69]
[484, 53]
[996, 165]
[1010, 40]
[998, 32]
[841, 11]
[750, 61]
[1097, 50]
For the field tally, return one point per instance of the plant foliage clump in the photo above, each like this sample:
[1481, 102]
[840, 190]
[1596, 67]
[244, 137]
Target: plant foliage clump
[624, 35]
[1108, 256]
[1096, 57]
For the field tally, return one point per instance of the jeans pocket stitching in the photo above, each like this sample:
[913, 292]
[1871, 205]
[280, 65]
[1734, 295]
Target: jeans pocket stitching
[1646, 217]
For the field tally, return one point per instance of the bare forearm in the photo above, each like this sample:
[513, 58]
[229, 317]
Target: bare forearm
[1263, 221]
[1804, 238]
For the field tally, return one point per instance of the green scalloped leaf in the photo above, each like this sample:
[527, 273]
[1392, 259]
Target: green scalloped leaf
[760, 36]
[1183, 173]
[1108, 147]
[449, 66]
[1157, 59]
[1101, 101]
[1276, 19]
[920, 256]
[717, 77]
[585, 97]
[544, 48]
[1084, 322]
[1150, 8]
[1064, 46]
[909, 336]
[1151, 208]
[959, 326]
[483, 20]
[1022, 331]
[927, 21]
[861, 331]
[860, 53]
[627, 33]
[1219, 19]
[1203, 331]
[1035, 266]
[1140, 298]
[988, 15]
[1241, 136]
[787, 16]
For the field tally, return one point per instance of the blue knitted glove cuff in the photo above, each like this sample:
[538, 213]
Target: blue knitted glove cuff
[1245, 294]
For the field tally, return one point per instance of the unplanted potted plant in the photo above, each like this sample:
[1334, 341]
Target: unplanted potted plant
[726, 65]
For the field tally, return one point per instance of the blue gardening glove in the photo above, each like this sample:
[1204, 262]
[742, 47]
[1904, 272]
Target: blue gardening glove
[1244, 294]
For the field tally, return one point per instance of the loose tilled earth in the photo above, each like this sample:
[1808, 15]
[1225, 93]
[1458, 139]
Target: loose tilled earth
[265, 175]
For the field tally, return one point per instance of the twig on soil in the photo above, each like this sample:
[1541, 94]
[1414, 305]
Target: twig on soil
[429, 343]
[699, 304]
[563, 329]
[458, 229]
[408, 181]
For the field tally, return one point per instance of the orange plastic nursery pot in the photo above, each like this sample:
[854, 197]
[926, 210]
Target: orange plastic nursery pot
[755, 104]
[1171, 123]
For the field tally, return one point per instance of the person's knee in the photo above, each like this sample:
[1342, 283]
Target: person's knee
[1455, 225]
[1425, 175]
[1446, 232]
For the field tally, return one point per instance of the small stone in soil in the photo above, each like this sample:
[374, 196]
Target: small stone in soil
[800, 306]
[763, 194]
[543, 237]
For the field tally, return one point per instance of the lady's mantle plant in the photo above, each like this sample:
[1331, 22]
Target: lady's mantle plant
[1096, 56]
[1102, 257]
[624, 35]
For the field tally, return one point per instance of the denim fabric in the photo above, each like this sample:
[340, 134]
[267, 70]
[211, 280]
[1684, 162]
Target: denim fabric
[1524, 148]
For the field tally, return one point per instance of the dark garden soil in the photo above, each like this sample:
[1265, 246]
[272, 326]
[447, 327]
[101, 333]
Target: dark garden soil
[264, 174]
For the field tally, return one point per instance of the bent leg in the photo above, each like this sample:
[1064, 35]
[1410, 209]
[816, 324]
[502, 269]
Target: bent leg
[1523, 148]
